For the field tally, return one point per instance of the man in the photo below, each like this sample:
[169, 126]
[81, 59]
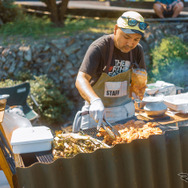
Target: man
[104, 77]
[168, 8]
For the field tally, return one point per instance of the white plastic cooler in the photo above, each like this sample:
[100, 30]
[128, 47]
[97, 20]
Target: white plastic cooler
[31, 139]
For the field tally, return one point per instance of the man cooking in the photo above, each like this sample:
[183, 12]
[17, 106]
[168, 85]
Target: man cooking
[104, 77]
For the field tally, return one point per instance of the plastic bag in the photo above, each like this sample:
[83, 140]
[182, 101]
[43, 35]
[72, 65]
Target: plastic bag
[138, 83]
[13, 121]
[17, 109]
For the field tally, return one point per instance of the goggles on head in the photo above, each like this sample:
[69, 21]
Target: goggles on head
[134, 22]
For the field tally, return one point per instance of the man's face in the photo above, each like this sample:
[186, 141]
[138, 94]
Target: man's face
[125, 42]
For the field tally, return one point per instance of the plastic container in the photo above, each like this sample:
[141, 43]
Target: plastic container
[13, 121]
[31, 139]
[178, 102]
[160, 87]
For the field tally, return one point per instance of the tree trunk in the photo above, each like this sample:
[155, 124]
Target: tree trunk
[62, 10]
[51, 4]
[57, 11]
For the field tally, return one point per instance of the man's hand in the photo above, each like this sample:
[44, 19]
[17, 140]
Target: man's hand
[96, 111]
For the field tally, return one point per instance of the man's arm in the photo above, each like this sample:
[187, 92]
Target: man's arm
[84, 87]
[96, 109]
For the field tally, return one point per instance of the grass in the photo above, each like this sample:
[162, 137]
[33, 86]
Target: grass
[89, 24]
[36, 28]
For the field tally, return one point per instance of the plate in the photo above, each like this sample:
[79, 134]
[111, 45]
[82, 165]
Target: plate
[151, 99]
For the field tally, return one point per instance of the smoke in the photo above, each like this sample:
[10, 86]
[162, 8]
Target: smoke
[175, 72]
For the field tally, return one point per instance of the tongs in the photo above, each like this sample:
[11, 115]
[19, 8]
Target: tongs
[111, 131]
[105, 125]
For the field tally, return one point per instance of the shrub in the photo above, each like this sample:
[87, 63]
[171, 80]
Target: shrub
[54, 107]
[8, 11]
[170, 61]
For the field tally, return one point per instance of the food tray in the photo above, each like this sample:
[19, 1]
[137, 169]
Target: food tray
[177, 102]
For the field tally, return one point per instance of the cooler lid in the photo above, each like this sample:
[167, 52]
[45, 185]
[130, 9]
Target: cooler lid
[25, 135]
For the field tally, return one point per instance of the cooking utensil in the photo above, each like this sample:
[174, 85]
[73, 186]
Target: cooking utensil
[109, 131]
[112, 129]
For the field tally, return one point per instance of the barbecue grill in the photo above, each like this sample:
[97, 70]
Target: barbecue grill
[156, 162]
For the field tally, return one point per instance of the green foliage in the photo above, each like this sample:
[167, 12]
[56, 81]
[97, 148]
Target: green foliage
[32, 26]
[24, 75]
[28, 26]
[8, 11]
[54, 107]
[88, 24]
[170, 61]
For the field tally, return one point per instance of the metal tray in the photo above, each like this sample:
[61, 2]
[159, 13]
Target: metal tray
[93, 131]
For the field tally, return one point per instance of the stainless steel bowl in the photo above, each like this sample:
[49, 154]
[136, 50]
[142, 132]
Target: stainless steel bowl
[155, 108]
[155, 113]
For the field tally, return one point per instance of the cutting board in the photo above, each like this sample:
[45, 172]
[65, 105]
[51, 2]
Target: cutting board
[169, 118]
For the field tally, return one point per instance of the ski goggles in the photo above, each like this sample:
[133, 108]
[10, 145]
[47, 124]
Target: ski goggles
[133, 22]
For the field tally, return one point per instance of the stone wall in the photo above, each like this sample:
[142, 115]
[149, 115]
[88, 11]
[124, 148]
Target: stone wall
[60, 58]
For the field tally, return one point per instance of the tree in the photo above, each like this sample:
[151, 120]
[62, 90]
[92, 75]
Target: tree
[57, 10]
[170, 61]
[8, 11]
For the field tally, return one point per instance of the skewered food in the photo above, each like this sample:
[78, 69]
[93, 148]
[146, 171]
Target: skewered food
[69, 145]
[130, 131]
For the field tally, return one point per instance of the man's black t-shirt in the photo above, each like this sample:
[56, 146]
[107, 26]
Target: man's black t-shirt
[96, 59]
